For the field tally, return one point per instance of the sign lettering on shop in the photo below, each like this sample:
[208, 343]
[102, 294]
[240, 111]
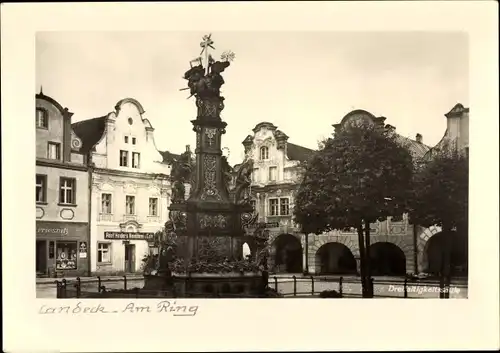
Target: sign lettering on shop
[41, 230]
[268, 225]
[129, 236]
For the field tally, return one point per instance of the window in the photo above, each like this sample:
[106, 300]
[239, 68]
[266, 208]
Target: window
[123, 158]
[103, 252]
[253, 203]
[130, 205]
[41, 188]
[106, 203]
[284, 207]
[136, 159]
[153, 206]
[273, 173]
[279, 207]
[42, 121]
[126, 139]
[54, 150]
[255, 175]
[67, 191]
[264, 153]
[66, 255]
[273, 207]
[133, 140]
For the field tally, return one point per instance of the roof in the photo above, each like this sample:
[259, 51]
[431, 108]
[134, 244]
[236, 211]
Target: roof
[168, 157]
[90, 132]
[64, 111]
[417, 149]
[298, 153]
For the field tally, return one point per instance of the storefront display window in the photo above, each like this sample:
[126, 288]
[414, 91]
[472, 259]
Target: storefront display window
[66, 255]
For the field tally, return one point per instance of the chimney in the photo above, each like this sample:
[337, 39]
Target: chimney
[390, 128]
[418, 138]
[188, 148]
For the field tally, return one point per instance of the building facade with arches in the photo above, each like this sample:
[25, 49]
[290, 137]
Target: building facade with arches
[397, 247]
[130, 187]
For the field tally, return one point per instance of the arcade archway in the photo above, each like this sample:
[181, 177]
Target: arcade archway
[435, 251]
[387, 259]
[335, 258]
[288, 254]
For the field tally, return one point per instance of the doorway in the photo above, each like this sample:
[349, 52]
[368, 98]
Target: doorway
[129, 258]
[41, 257]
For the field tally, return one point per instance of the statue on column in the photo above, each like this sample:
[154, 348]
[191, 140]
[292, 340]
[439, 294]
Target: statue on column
[227, 173]
[181, 174]
[205, 81]
[243, 182]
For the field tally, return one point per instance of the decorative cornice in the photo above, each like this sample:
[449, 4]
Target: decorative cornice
[61, 165]
[273, 187]
[264, 124]
[130, 100]
[124, 225]
[124, 173]
[457, 110]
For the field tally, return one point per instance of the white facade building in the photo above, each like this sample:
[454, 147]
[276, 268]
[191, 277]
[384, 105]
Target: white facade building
[130, 187]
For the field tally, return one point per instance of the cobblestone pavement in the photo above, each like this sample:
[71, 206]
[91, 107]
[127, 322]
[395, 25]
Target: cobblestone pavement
[304, 287]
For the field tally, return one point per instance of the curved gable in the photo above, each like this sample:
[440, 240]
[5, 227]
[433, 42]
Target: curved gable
[64, 111]
[133, 101]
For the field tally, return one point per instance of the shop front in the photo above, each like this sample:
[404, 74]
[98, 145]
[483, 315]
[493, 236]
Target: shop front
[123, 252]
[62, 249]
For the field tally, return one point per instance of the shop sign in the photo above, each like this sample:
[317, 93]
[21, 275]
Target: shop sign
[52, 230]
[58, 230]
[128, 236]
[83, 250]
[268, 225]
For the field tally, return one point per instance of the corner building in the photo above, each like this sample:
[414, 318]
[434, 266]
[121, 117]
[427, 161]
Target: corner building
[62, 190]
[130, 187]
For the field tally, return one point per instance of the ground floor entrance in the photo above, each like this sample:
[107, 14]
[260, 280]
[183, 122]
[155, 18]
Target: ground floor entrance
[287, 254]
[129, 258]
[41, 257]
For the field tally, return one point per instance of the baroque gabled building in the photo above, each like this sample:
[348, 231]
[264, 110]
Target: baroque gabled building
[275, 180]
[61, 193]
[130, 187]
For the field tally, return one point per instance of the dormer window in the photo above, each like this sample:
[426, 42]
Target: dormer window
[42, 121]
[264, 153]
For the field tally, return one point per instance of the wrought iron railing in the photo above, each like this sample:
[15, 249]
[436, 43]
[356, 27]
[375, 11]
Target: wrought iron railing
[286, 286]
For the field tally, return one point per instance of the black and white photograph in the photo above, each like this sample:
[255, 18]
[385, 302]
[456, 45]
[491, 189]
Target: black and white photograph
[377, 209]
[198, 164]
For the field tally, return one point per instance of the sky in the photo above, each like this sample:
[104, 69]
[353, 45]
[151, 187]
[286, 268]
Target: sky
[302, 82]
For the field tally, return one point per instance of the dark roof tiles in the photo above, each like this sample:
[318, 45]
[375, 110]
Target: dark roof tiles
[90, 132]
[298, 153]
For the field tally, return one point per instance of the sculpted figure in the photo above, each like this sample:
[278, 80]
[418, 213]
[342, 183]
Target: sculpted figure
[206, 86]
[181, 174]
[243, 181]
[227, 172]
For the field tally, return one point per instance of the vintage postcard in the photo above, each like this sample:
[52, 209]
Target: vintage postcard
[194, 165]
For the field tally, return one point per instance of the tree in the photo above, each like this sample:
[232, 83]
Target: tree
[361, 175]
[441, 197]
